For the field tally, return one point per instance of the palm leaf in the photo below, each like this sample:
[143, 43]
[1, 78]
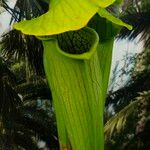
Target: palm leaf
[19, 46]
[39, 122]
[25, 141]
[138, 17]
[25, 9]
[9, 101]
[118, 122]
[138, 83]
[34, 90]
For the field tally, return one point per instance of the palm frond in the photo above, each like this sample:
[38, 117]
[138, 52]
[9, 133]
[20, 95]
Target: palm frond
[118, 122]
[5, 6]
[33, 90]
[9, 100]
[17, 138]
[138, 16]
[42, 124]
[121, 97]
[24, 9]
[25, 141]
[14, 44]
[28, 48]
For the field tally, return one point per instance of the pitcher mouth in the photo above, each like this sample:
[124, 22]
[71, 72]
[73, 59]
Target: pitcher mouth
[75, 42]
[79, 44]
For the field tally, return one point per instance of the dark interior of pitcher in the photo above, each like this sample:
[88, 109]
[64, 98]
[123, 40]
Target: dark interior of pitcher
[75, 42]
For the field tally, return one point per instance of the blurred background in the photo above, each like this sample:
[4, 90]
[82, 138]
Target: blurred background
[27, 119]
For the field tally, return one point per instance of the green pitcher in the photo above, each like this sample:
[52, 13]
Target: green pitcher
[74, 76]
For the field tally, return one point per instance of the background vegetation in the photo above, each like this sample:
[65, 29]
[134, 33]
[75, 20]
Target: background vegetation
[27, 117]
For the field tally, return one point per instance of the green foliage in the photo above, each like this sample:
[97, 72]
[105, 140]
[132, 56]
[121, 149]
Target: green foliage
[56, 21]
[119, 2]
[82, 52]
[137, 14]
[125, 130]
[18, 47]
[78, 110]
[9, 99]
[105, 14]
[106, 25]
[118, 122]
[23, 122]
[74, 54]
[30, 91]
[74, 90]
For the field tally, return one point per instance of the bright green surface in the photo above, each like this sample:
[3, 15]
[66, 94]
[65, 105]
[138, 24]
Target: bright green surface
[105, 59]
[76, 85]
[105, 14]
[77, 66]
[65, 15]
[119, 2]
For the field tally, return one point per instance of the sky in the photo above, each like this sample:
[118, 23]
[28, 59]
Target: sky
[5, 18]
[4, 22]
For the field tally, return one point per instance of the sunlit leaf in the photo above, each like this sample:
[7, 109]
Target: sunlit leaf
[105, 14]
[103, 3]
[107, 26]
[119, 2]
[64, 15]
[76, 85]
